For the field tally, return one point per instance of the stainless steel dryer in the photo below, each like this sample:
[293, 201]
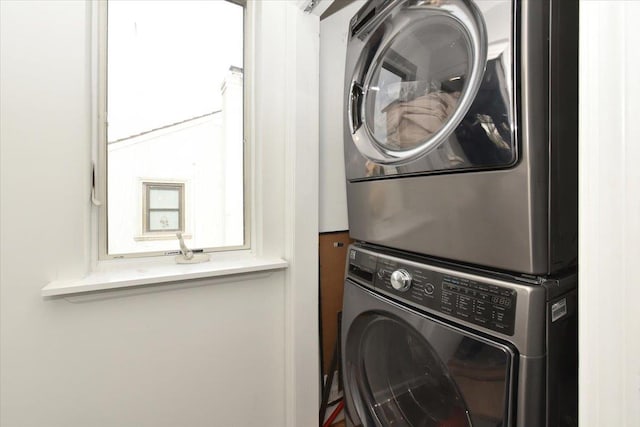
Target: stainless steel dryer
[461, 130]
[425, 345]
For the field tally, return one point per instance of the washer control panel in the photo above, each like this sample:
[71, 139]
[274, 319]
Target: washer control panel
[491, 306]
[470, 299]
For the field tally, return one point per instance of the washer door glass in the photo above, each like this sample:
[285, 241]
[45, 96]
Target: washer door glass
[401, 378]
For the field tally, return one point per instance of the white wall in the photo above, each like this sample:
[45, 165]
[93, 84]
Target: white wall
[191, 354]
[609, 214]
[333, 50]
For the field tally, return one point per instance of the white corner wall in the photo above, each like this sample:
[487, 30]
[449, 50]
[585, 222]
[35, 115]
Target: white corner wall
[333, 50]
[609, 214]
[193, 354]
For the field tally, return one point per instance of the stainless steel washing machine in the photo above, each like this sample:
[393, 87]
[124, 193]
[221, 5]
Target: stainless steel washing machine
[461, 130]
[425, 344]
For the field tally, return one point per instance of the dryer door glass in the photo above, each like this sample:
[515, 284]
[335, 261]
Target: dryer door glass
[431, 91]
[417, 84]
[432, 377]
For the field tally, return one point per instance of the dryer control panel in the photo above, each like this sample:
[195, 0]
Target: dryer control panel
[467, 298]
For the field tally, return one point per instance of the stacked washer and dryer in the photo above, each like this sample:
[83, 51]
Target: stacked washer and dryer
[461, 163]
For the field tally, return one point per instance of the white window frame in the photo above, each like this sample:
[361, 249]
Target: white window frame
[100, 168]
[283, 199]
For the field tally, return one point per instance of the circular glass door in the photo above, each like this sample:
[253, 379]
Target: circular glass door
[400, 377]
[427, 65]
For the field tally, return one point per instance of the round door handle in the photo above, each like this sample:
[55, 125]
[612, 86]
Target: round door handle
[401, 280]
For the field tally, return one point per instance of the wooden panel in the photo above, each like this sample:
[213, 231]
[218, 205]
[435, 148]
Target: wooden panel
[333, 254]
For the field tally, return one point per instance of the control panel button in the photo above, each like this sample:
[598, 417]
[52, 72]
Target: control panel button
[401, 280]
[429, 288]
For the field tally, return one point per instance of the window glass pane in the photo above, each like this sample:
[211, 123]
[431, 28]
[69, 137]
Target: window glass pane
[164, 221]
[164, 198]
[175, 102]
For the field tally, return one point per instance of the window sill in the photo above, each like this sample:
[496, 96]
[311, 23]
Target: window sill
[112, 275]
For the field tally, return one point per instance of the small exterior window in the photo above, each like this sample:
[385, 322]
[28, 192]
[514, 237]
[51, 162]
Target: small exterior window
[163, 208]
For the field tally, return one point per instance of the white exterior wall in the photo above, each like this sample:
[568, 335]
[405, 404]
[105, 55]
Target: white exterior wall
[192, 354]
[205, 154]
[167, 156]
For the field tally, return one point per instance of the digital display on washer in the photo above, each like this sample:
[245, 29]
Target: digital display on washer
[488, 305]
[504, 301]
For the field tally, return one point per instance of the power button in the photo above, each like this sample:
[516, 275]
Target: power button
[429, 289]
